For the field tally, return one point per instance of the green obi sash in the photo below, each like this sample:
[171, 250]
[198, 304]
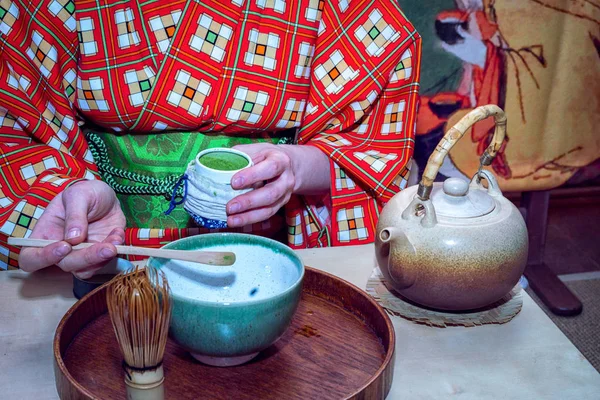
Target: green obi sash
[143, 169]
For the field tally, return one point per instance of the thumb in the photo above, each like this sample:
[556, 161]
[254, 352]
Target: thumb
[76, 202]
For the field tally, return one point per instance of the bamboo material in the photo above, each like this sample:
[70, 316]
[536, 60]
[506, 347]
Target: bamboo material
[139, 306]
[454, 134]
[341, 345]
[223, 258]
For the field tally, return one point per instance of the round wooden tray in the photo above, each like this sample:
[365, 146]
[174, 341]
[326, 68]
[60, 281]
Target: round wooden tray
[340, 346]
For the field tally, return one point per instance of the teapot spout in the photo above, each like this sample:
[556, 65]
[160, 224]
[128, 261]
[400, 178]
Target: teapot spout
[400, 249]
[393, 235]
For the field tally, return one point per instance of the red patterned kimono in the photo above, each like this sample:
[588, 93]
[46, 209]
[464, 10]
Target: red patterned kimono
[343, 73]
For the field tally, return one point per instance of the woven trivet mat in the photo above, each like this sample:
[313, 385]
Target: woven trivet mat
[500, 312]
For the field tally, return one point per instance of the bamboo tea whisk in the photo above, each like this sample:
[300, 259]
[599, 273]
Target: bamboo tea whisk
[140, 310]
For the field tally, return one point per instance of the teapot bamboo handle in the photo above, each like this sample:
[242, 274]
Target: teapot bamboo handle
[454, 134]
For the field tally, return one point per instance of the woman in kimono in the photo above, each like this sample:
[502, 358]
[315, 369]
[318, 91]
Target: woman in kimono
[103, 104]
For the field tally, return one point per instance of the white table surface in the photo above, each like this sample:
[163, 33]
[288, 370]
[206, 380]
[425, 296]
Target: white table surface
[527, 358]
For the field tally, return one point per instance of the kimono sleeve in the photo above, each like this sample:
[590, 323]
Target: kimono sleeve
[362, 112]
[42, 150]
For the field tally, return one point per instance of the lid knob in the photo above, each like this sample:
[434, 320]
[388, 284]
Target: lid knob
[456, 187]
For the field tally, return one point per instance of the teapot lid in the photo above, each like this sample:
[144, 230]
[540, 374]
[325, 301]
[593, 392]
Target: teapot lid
[454, 199]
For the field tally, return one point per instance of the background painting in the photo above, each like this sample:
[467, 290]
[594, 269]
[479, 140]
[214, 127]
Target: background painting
[539, 60]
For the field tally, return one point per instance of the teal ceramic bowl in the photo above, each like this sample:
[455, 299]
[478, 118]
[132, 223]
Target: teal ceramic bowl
[225, 316]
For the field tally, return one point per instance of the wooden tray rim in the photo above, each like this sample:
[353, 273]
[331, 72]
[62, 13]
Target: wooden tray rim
[387, 361]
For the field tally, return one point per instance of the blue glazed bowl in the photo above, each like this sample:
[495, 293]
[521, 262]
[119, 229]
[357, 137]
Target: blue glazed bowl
[225, 316]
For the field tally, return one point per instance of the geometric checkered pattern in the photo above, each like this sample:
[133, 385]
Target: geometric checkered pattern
[139, 82]
[364, 127]
[90, 94]
[119, 73]
[61, 125]
[293, 114]
[248, 105]
[24, 83]
[403, 70]
[401, 181]
[150, 233]
[8, 121]
[211, 37]
[12, 78]
[333, 139]
[322, 28]
[8, 15]
[333, 123]
[22, 220]
[127, 36]
[5, 201]
[375, 33]
[277, 5]
[164, 28]
[314, 10]
[53, 179]
[309, 223]
[362, 107]
[159, 126]
[375, 159]
[30, 171]
[69, 84]
[342, 181]
[335, 73]
[343, 4]
[295, 235]
[392, 122]
[189, 93]
[85, 33]
[321, 212]
[5, 256]
[306, 51]
[64, 10]
[262, 50]
[42, 53]
[351, 224]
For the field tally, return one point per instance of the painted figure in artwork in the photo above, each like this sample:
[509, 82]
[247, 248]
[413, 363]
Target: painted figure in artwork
[478, 52]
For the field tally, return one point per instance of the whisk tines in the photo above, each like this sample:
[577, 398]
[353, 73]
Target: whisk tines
[140, 309]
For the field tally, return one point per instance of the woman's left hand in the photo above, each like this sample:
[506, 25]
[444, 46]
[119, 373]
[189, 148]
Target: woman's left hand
[284, 170]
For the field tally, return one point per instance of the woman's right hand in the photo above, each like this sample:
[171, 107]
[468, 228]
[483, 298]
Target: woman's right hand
[85, 211]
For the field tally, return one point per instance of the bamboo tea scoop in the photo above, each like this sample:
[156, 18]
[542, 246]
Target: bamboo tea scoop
[223, 258]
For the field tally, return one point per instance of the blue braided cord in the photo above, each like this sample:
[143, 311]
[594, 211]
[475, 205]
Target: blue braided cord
[174, 203]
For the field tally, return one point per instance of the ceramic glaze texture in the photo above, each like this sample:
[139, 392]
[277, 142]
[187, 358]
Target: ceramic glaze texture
[209, 190]
[232, 313]
[457, 264]
[258, 273]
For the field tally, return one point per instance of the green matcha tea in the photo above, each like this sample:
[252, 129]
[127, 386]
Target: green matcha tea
[223, 161]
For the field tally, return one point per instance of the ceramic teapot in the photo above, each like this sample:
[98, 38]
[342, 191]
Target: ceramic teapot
[455, 245]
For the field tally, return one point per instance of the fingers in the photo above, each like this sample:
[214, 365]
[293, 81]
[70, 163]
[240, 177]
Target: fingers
[116, 237]
[76, 204]
[260, 204]
[255, 215]
[49, 227]
[85, 261]
[84, 265]
[31, 259]
[90, 259]
[274, 164]
[268, 195]
[254, 150]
